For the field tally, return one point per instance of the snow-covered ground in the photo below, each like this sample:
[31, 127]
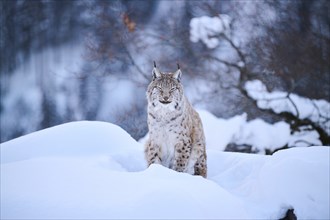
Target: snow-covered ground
[95, 170]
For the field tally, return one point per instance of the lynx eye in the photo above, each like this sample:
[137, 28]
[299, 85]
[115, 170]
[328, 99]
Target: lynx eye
[159, 88]
[173, 89]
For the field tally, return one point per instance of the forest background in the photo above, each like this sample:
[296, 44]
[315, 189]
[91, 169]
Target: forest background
[65, 61]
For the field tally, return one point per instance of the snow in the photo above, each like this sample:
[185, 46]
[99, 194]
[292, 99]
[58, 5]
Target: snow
[272, 184]
[261, 135]
[95, 170]
[206, 29]
[315, 110]
[214, 126]
[304, 137]
[84, 138]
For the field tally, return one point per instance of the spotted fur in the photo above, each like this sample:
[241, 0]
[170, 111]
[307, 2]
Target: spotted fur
[176, 136]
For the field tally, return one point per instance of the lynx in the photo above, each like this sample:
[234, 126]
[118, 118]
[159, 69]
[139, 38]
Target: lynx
[176, 136]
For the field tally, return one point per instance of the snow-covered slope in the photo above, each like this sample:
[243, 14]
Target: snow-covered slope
[95, 170]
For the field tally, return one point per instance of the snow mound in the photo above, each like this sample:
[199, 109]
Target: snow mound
[84, 138]
[81, 170]
[87, 189]
[297, 178]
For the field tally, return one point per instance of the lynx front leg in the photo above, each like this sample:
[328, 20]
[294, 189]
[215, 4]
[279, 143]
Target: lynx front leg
[201, 166]
[152, 153]
[181, 157]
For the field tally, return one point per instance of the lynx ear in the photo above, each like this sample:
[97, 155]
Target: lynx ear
[177, 74]
[155, 72]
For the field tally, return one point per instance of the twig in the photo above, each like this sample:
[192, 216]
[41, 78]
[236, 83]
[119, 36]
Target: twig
[294, 105]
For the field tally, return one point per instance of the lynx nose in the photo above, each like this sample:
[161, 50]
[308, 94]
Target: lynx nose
[165, 98]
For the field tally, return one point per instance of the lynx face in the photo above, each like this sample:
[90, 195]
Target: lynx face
[165, 89]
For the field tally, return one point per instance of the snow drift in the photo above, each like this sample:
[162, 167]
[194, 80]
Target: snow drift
[95, 170]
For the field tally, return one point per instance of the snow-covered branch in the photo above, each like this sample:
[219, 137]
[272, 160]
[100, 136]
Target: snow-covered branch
[317, 111]
[207, 29]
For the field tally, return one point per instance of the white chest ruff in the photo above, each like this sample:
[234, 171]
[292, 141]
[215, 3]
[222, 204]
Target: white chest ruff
[167, 140]
[165, 126]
